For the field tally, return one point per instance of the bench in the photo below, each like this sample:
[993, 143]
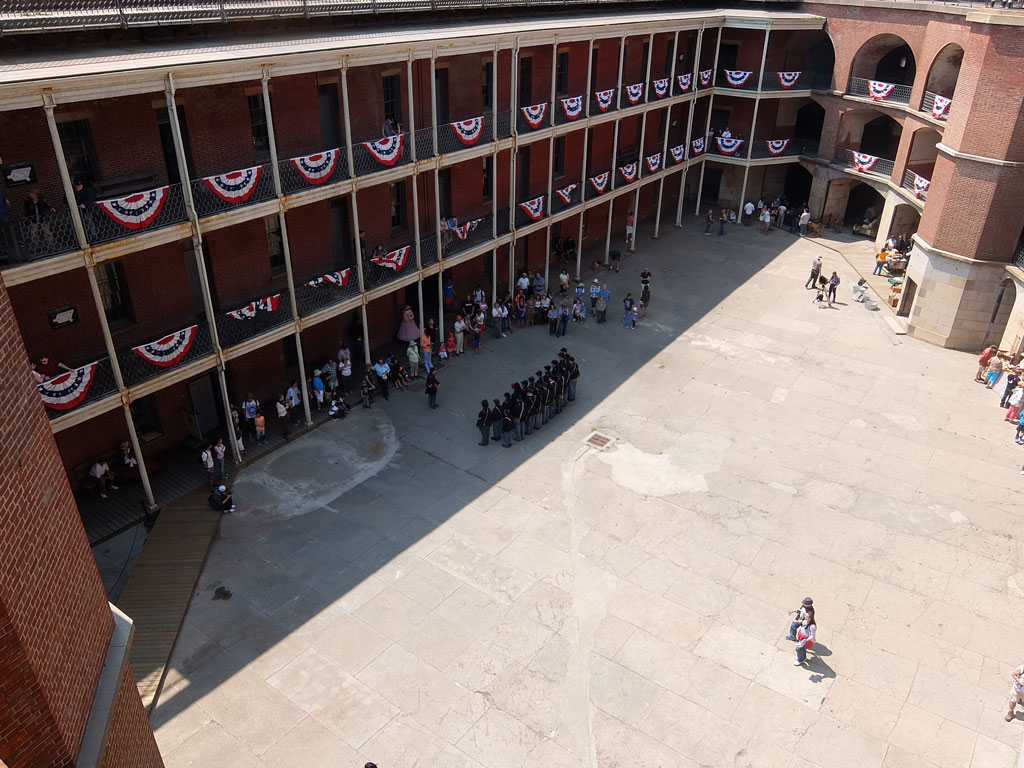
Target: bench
[80, 478]
[121, 186]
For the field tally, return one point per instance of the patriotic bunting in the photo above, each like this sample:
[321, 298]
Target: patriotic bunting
[660, 87]
[468, 131]
[864, 162]
[653, 162]
[268, 304]
[635, 92]
[600, 182]
[788, 79]
[604, 99]
[777, 146]
[247, 312]
[566, 193]
[939, 106]
[316, 169]
[684, 82]
[728, 146]
[534, 208]
[705, 78]
[921, 185]
[737, 77]
[698, 145]
[629, 171]
[64, 392]
[678, 153]
[463, 232]
[335, 278]
[572, 106]
[878, 90]
[235, 187]
[135, 211]
[170, 349]
[534, 115]
[394, 260]
[386, 151]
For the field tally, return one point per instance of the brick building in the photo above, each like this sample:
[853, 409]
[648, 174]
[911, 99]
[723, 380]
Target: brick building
[237, 161]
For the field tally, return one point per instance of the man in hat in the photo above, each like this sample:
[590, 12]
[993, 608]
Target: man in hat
[595, 293]
[482, 421]
[495, 420]
[574, 374]
[798, 617]
[220, 500]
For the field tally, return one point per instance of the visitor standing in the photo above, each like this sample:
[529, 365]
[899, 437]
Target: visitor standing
[431, 389]
[815, 271]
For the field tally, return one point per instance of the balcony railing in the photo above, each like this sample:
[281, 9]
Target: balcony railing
[103, 228]
[879, 167]
[325, 293]
[1018, 256]
[575, 198]
[313, 171]
[448, 141]
[590, 192]
[235, 189]
[235, 330]
[29, 239]
[785, 81]
[135, 369]
[524, 127]
[918, 185]
[366, 162]
[794, 148]
[102, 385]
[376, 275]
[928, 106]
[595, 104]
[893, 93]
[737, 80]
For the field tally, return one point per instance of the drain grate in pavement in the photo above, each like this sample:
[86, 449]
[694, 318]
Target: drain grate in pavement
[599, 440]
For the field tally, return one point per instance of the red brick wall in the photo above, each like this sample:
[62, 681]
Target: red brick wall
[130, 742]
[296, 108]
[240, 263]
[25, 138]
[219, 128]
[54, 618]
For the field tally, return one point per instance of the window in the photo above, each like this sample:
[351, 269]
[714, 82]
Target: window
[117, 304]
[275, 245]
[146, 417]
[488, 177]
[525, 82]
[488, 89]
[670, 53]
[562, 73]
[79, 152]
[558, 157]
[593, 70]
[398, 212]
[258, 121]
[646, 53]
[290, 353]
[393, 98]
[662, 122]
[163, 122]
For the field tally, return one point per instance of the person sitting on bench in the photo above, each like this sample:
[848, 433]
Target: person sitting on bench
[220, 499]
[102, 477]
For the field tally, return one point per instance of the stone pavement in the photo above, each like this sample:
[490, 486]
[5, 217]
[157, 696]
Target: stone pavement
[395, 593]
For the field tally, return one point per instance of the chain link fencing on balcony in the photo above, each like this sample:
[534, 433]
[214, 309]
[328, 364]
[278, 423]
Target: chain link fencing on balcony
[103, 385]
[264, 314]
[894, 93]
[136, 369]
[325, 293]
[928, 106]
[235, 189]
[313, 171]
[381, 154]
[101, 227]
[876, 166]
[49, 234]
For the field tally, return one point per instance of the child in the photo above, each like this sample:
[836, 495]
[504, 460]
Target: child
[338, 409]
[366, 391]
[798, 617]
[261, 428]
[443, 352]
[451, 344]
[1019, 439]
[633, 314]
[401, 378]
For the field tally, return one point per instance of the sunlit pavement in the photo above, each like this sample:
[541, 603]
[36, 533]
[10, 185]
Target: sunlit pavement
[401, 595]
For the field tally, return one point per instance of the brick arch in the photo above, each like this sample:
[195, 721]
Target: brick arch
[945, 70]
[886, 57]
[922, 151]
[852, 126]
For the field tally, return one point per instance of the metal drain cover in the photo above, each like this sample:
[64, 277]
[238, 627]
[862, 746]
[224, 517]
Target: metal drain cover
[599, 440]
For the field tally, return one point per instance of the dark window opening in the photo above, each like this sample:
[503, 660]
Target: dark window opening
[441, 95]
[488, 88]
[163, 121]
[728, 54]
[670, 53]
[558, 157]
[398, 209]
[275, 244]
[117, 303]
[327, 101]
[644, 56]
[260, 132]
[488, 177]
[79, 151]
[562, 73]
[146, 416]
[525, 82]
[393, 98]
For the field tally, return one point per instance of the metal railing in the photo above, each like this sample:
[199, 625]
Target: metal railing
[909, 177]
[881, 167]
[424, 140]
[374, 275]
[795, 147]
[448, 141]
[625, 103]
[1018, 256]
[232, 331]
[929, 101]
[365, 163]
[102, 385]
[29, 239]
[750, 84]
[575, 198]
[773, 82]
[711, 148]
[589, 193]
[208, 202]
[858, 86]
[561, 116]
[313, 298]
[292, 180]
[595, 107]
[135, 369]
[524, 127]
[101, 228]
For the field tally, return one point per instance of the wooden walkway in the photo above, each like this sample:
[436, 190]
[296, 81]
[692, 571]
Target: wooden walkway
[161, 585]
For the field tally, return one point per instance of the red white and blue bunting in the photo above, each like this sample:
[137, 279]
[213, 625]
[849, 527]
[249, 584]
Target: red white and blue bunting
[468, 131]
[534, 115]
[939, 106]
[921, 185]
[534, 208]
[878, 90]
[635, 92]
[604, 99]
[572, 106]
[135, 211]
[678, 153]
[864, 162]
[788, 79]
[236, 186]
[698, 145]
[170, 349]
[737, 77]
[653, 162]
[386, 151]
[339, 279]
[64, 392]
[628, 172]
[600, 182]
[463, 232]
[660, 87]
[394, 260]
[684, 82]
[705, 78]
[267, 304]
[728, 146]
[777, 146]
[566, 193]
[316, 169]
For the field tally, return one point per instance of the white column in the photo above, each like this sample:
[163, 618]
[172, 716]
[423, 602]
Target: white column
[346, 114]
[707, 124]
[664, 144]
[753, 122]
[590, 73]
[689, 127]
[433, 96]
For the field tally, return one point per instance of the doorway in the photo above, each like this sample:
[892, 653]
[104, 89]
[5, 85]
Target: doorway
[525, 82]
[327, 101]
[712, 185]
[203, 417]
[163, 121]
[524, 173]
[341, 232]
[909, 292]
[441, 94]
[728, 54]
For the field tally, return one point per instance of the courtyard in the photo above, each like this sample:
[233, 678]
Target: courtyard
[390, 591]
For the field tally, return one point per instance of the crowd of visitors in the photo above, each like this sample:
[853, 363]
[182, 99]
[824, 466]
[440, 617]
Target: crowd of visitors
[997, 371]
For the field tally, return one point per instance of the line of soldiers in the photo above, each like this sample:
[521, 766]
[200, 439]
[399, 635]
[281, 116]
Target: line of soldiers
[531, 403]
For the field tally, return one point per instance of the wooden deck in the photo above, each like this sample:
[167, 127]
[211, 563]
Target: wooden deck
[161, 585]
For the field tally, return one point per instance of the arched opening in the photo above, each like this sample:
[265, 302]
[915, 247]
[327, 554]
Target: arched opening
[1001, 332]
[797, 187]
[905, 220]
[945, 70]
[821, 62]
[887, 58]
[864, 210]
[872, 133]
[809, 120]
[921, 158]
